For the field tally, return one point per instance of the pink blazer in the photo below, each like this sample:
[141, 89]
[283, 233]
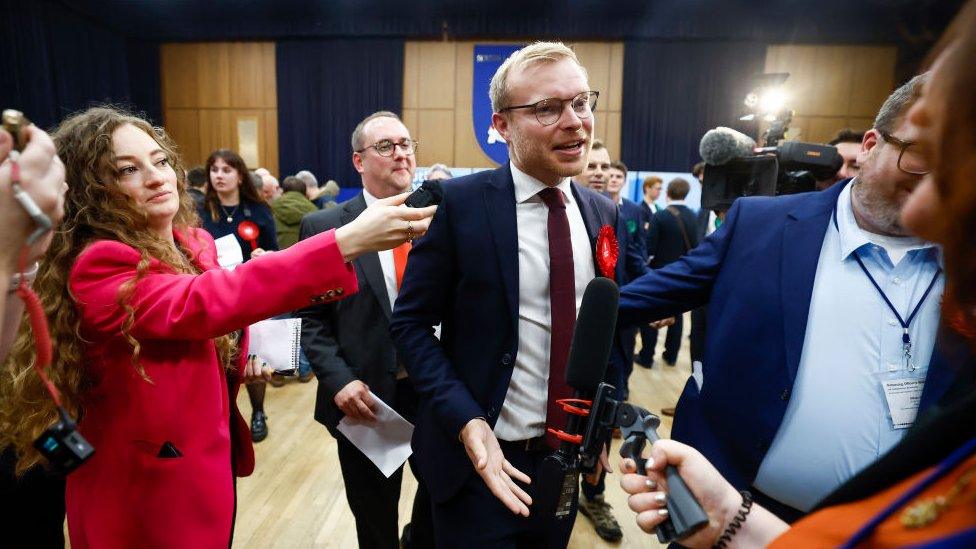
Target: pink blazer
[127, 495]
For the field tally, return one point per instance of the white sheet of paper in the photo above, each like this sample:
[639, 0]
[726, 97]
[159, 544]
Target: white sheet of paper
[229, 254]
[903, 396]
[277, 342]
[386, 442]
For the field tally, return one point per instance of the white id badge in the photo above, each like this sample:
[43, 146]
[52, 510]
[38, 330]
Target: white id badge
[903, 396]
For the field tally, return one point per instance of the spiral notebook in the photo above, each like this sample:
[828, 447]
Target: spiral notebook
[277, 342]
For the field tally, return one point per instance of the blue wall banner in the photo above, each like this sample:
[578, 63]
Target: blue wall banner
[487, 59]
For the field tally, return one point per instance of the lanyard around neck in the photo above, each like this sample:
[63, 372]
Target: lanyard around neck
[906, 339]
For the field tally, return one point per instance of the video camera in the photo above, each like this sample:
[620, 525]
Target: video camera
[735, 167]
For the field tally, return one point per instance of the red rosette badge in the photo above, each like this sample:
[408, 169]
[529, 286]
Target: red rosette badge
[607, 251]
[249, 231]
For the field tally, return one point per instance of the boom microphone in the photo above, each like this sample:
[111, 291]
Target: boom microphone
[589, 351]
[722, 145]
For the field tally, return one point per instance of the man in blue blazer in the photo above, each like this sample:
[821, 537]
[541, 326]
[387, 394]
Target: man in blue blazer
[820, 305]
[483, 273]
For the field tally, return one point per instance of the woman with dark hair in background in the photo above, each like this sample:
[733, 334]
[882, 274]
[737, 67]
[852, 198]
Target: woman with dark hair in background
[231, 199]
[145, 326]
[922, 492]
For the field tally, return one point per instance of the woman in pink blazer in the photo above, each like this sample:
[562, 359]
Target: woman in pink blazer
[145, 325]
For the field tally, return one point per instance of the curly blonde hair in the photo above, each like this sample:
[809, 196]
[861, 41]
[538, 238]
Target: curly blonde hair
[96, 208]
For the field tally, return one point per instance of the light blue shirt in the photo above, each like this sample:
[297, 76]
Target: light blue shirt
[837, 421]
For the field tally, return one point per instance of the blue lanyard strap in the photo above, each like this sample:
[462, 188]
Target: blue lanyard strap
[905, 337]
[904, 323]
[943, 469]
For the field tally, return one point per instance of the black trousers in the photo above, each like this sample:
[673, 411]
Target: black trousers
[32, 506]
[374, 499]
[475, 518]
[672, 342]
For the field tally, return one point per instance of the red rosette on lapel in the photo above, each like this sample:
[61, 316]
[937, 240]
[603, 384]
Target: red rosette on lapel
[607, 251]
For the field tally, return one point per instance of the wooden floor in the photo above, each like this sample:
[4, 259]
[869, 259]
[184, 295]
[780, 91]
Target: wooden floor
[295, 498]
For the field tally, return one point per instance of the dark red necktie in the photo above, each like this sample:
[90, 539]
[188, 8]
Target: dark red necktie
[562, 300]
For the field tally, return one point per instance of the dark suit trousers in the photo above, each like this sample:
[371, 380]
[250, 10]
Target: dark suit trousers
[32, 506]
[672, 342]
[374, 499]
[474, 518]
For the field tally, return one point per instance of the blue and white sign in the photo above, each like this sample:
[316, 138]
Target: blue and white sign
[487, 59]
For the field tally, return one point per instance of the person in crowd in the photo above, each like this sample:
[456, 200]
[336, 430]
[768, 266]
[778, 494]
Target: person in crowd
[848, 144]
[708, 220]
[323, 197]
[230, 201]
[438, 172]
[672, 234]
[349, 344]
[269, 189]
[651, 188]
[145, 328]
[507, 306]
[196, 184]
[330, 191]
[921, 492]
[32, 503]
[597, 169]
[289, 210]
[782, 407]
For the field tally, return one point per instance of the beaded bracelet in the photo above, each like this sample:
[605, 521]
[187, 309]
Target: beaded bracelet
[737, 521]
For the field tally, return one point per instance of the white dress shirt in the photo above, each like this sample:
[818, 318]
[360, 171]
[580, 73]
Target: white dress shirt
[386, 260]
[523, 415]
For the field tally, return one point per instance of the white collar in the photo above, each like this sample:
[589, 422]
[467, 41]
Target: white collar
[527, 186]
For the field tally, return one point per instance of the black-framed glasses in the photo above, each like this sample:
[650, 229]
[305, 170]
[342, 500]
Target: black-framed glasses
[386, 146]
[548, 111]
[911, 158]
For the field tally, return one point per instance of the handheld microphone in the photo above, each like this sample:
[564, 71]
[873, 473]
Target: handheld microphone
[589, 353]
[430, 193]
[722, 145]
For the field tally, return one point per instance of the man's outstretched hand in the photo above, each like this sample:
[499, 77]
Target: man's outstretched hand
[489, 461]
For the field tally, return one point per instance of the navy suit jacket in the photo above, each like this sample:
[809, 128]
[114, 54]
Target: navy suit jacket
[463, 274]
[633, 239]
[756, 273]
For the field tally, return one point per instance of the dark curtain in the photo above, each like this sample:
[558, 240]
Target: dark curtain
[325, 87]
[54, 62]
[145, 81]
[819, 21]
[675, 91]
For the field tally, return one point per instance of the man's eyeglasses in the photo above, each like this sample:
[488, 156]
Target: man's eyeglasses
[548, 111]
[386, 147]
[911, 158]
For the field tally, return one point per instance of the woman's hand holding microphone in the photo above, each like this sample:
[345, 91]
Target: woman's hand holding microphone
[382, 226]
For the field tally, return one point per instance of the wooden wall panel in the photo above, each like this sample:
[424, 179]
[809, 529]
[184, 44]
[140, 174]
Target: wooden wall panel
[437, 98]
[179, 75]
[207, 87]
[833, 87]
[183, 126]
[437, 75]
[431, 126]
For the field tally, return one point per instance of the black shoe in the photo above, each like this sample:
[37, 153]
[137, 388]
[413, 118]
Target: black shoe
[644, 364]
[259, 426]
